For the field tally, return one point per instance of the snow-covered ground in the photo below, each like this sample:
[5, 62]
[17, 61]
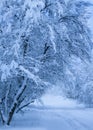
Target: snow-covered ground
[56, 113]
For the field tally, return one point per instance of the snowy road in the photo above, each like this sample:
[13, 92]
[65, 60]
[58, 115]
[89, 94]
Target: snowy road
[56, 119]
[66, 116]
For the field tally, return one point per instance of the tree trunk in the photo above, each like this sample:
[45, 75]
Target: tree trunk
[2, 118]
[11, 113]
[16, 100]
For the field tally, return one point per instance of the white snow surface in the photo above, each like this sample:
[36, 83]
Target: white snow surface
[56, 113]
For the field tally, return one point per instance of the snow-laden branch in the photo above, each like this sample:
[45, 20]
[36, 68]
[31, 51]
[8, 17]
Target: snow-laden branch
[35, 78]
[14, 66]
[52, 37]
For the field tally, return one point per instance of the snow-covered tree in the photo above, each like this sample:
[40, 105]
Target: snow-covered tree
[37, 42]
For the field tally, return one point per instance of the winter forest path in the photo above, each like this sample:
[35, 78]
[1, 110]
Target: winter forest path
[53, 115]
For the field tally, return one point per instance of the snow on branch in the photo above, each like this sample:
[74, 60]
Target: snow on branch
[6, 72]
[35, 78]
[52, 37]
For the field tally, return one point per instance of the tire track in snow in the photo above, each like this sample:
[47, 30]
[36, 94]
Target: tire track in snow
[70, 120]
